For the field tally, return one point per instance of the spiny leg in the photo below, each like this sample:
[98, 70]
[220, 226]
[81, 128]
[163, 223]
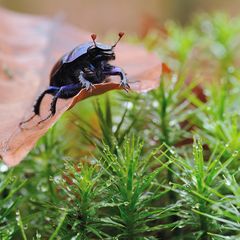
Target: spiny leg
[36, 107]
[112, 70]
[65, 92]
[51, 90]
[84, 82]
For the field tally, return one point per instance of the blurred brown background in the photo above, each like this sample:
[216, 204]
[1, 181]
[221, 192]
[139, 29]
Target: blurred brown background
[126, 15]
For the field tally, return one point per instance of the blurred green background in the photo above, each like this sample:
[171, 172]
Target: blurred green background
[135, 16]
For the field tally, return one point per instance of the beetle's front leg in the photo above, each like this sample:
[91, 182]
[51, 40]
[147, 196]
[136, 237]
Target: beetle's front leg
[84, 82]
[118, 71]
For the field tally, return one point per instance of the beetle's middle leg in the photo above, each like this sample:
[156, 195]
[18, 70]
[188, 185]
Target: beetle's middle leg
[84, 82]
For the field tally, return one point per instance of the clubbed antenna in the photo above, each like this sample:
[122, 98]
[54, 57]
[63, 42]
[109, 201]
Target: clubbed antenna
[94, 36]
[120, 35]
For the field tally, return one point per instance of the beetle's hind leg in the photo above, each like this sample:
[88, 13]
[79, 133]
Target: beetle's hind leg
[36, 108]
[51, 90]
[65, 92]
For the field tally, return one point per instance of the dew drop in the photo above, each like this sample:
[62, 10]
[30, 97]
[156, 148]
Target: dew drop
[155, 104]
[3, 167]
[38, 235]
[235, 153]
[228, 182]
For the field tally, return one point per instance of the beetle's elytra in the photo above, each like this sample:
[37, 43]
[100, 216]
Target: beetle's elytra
[84, 66]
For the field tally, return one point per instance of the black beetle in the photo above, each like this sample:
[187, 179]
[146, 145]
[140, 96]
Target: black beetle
[84, 66]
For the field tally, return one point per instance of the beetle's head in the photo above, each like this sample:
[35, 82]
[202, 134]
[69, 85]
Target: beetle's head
[102, 52]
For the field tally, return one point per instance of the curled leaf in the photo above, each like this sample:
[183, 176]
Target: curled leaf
[29, 46]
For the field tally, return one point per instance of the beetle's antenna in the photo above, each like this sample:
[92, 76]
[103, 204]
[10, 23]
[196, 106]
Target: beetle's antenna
[120, 35]
[94, 36]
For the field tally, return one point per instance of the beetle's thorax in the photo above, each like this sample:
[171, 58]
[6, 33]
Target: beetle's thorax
[96, 54]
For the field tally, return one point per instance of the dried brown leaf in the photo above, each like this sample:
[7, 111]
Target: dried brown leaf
[29, 46]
